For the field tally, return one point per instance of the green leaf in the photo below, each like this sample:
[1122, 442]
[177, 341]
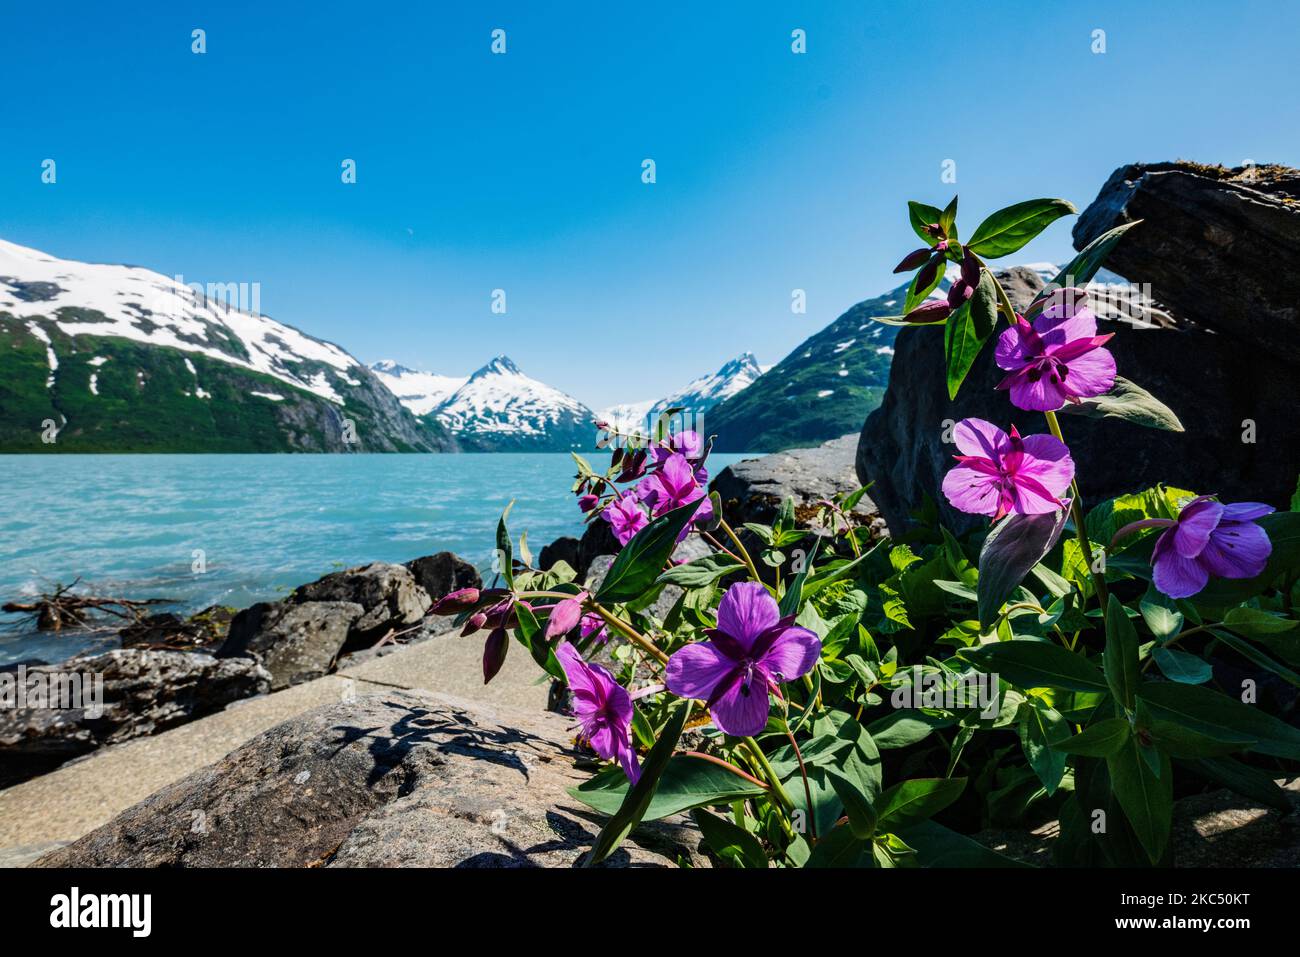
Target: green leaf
[1014, 546]
[1147, 799]
[938, 846]
[701, 571]
[1085, 265]
[841, 848]
[527, 633]
[898, 729]
[789, 604]
[1254, 623]
[506, 550]
[948, 219]
[920, 215]
[1245, 780]
[1219, 716]
[638, 799]
[1041, 728]
[910, 802]
[966, 331]
[1120, 661]
[1161, 614]
[730, 842]
[1099, 740]
[1128, 401]
[1011, 228]
[1179, 742]
[686, 783]
[1249, 651]
[642, 559]
[1181, 666]
[1036, 664]
[858, 807]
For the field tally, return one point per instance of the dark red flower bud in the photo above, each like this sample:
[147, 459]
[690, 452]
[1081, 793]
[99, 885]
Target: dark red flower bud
[588, 502]
[455, 602]
[934, 229]
[959, 292]
[494, 653]
[932, 310]
[912, 260]
[970, 269]
[474, 623]
[929, 271]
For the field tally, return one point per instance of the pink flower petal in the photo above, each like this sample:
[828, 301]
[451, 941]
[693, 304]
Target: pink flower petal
[742, 710]
[792, 655]
[1091, 374]
[1195, 523]
[746, 611]
[973, 491]
[696, 670]
[1047, 459]
[979, 437]
[1179, 577]
[1237, 550]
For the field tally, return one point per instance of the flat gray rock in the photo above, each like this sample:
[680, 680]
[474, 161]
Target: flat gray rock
[401, 779]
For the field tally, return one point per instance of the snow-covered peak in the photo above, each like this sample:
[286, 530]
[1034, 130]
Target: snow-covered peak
[698, 396]
[222, 321]
[500, 399]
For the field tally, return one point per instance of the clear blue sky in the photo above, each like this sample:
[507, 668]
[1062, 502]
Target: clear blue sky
[775, 171]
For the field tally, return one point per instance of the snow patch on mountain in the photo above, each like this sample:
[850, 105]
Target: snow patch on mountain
[421, 392]
[699, 395]
[130, 302]
[499, 399]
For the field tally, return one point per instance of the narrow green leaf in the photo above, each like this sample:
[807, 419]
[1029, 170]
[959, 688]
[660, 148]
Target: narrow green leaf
[1128, 401]
[1100, 739]
[967, 330]
[1219, 716]
[638, 799]
[1120, 661]
[1181, 666]
[1036, 664]
[686, 783]
[920, 215]
[730, 842]
[1147, 798]
[701, 571]
[910, 802]
[1014, 546]
[1007, 230]
[1084, 266]
[642, 559]
[505, 549]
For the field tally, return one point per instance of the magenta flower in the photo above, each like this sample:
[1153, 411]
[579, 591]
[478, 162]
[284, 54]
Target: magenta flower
[603, 709]
[999, 474]
[1208, 538]
[751, 651]
[673, 485]
[625, 516]
[593, 624]
[1057, 359]
[588, 502]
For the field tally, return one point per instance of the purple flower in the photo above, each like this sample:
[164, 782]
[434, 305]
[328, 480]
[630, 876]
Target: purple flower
[593, 624]
[999, 473]
[749, 653]
[588, 502]
[673, 485]
[1057, 359]
[687, 442]
[1208, 538]
[603, 709]
[625, 516]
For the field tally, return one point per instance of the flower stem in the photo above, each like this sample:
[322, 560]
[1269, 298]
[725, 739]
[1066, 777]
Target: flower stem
[744, 554]
[1076, 510]
[803, 771]
[628, 632]
[777, 789]
[714, 759]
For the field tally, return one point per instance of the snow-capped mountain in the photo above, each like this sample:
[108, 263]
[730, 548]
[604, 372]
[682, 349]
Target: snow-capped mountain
[124, 358]
[697, 397]
[421, 392]
[497, 409]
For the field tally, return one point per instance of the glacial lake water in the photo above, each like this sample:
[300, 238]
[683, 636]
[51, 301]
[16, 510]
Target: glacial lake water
[130, 525]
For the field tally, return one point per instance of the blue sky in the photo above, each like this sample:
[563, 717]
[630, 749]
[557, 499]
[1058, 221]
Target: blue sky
[522, 171]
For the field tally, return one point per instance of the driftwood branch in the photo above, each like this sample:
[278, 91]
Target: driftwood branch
[64, 608]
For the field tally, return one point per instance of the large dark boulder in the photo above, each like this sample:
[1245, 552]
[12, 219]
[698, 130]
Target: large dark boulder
[119, 695]
[1233, 394]
[388, 594]
[752, 490]
[294, 642]
[443, 573]
[396, 780]
[1221, 247]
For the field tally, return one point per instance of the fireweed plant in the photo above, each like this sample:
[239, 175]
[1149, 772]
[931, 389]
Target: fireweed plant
[816, 698]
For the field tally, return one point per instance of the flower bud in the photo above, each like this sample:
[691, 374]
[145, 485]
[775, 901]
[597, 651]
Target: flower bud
[494, 653]
[959, 292]
[455, 602]
[932, 310]
[475, 623]
[913, 260]
[926, 276]
[588, 502]
[565, 616]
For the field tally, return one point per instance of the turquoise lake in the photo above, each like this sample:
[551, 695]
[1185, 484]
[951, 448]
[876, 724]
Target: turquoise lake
[130, 525]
